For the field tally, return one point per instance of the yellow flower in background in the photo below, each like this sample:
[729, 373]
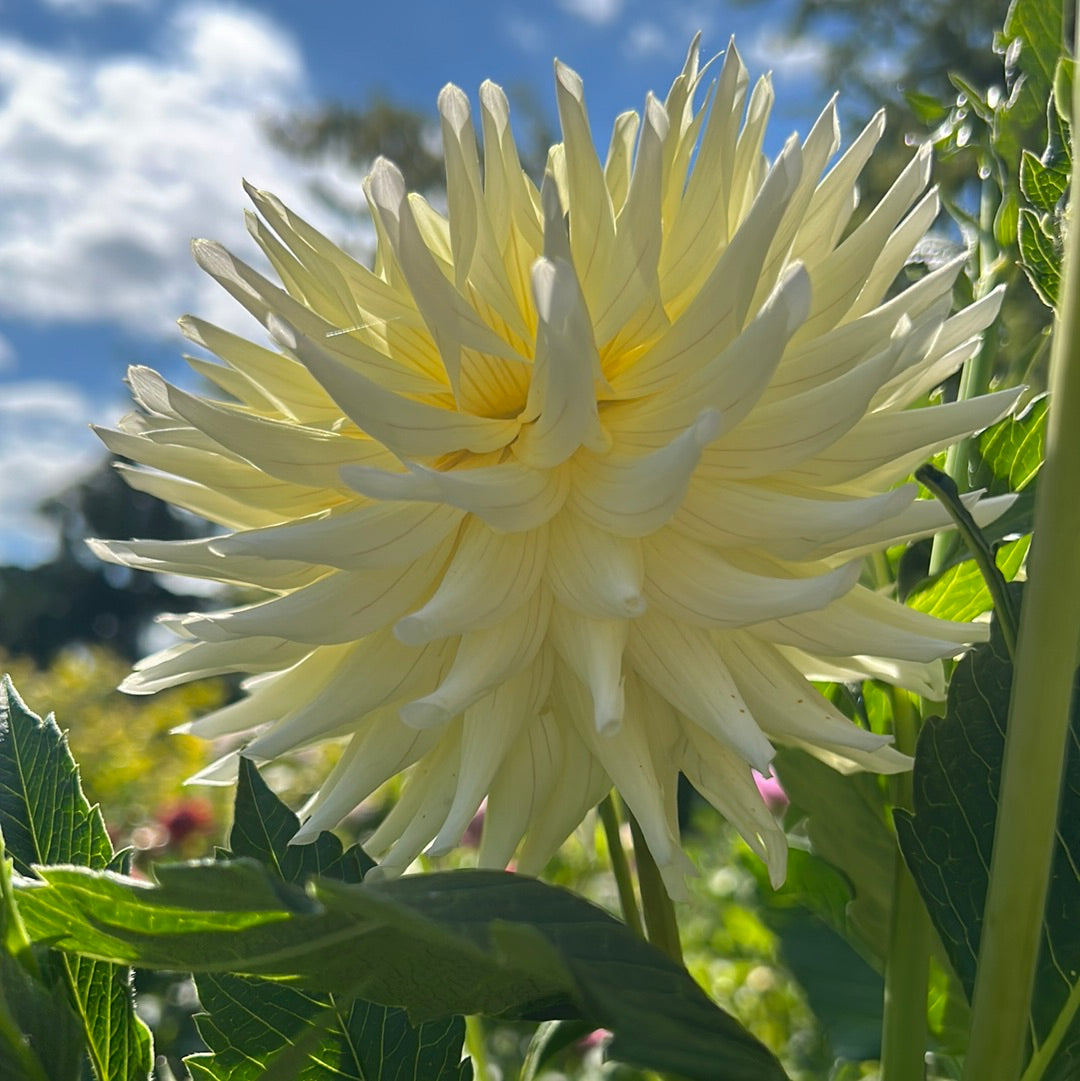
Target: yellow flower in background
[571, 490]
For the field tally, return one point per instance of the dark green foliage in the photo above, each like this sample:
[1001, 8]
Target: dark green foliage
[843, 989]
[947, 842]
[847, 827]
[455, 942]
[263, 1030]
[45, 818]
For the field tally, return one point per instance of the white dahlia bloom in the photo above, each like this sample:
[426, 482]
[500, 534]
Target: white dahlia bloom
[572, 490]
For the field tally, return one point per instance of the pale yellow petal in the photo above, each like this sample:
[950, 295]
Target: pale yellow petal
[489, 576]
[593, 572]
[682, 664]
[485, 658]
[349, 537]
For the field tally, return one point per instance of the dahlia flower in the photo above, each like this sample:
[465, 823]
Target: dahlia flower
[572, 489]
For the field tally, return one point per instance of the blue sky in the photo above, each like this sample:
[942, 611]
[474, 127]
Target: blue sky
[126, 126]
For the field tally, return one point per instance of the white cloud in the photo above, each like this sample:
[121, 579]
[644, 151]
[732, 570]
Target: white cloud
[112, 164]
[646, 39]
[91, 7]
[527, 34]
[788, 57]
[45, 444]
[598, 12]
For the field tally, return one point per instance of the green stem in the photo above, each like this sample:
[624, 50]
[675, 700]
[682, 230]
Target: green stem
[659, 910]
[1038, 725]
[620, 866]
[975, 376]
[943, 487]
[904, 1033]
[477, 1049]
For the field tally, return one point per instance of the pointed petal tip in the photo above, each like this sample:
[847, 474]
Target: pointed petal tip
[414, 630]
[306, 834]
[135, 683]
[453, 105]
[424, 713]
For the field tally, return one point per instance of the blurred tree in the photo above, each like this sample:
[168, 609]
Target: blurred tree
[945, 72]
[355, 136]
[74, 597]
[875, 49]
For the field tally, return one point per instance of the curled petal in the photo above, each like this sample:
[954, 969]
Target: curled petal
[593, 651]
[510, 497]
[635, 496]
[561, 410]
[197, 660]
[594, 572]
[379, 751]
[485, 658]
[692, 582]
[792, 526]
[863, 622]
[683, 665]
[407, 427]
[489, 576]
[355, 538]
[340, 607]
[489, 730]
[376, 672]
[526, 783]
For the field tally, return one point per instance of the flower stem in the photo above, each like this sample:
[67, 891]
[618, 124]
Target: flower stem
[620, 866]
[975, 376]
[944, 488]
[1038, 725]
[477, 1049]
[907, 966]
[656, 902]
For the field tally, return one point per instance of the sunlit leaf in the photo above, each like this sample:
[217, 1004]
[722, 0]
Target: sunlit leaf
[960, 593]
[1011, 452]
[263, 1030]
[456, 942]
[1040, 255]
[46, 819]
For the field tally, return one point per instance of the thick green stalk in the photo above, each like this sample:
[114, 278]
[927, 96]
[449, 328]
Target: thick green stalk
[656, 902]
[620, 866]
[975, 377]
[904, 1029]
[1039, 711]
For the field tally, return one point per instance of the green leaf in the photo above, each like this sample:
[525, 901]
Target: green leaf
[844, 992]
[1042, 185]
[40, 1036]
[960, 593]
[45, 818]
[1011, 452]
[928, 109]
[1032, 40]
[263, 826]
[1063, 84]
[847, 828]
[1037, 28]
[1040, 255]
[262, 1030]
[44, 815]
[457, 942]
[948, 840]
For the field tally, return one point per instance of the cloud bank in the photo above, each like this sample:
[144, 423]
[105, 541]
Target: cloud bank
[113, 163]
